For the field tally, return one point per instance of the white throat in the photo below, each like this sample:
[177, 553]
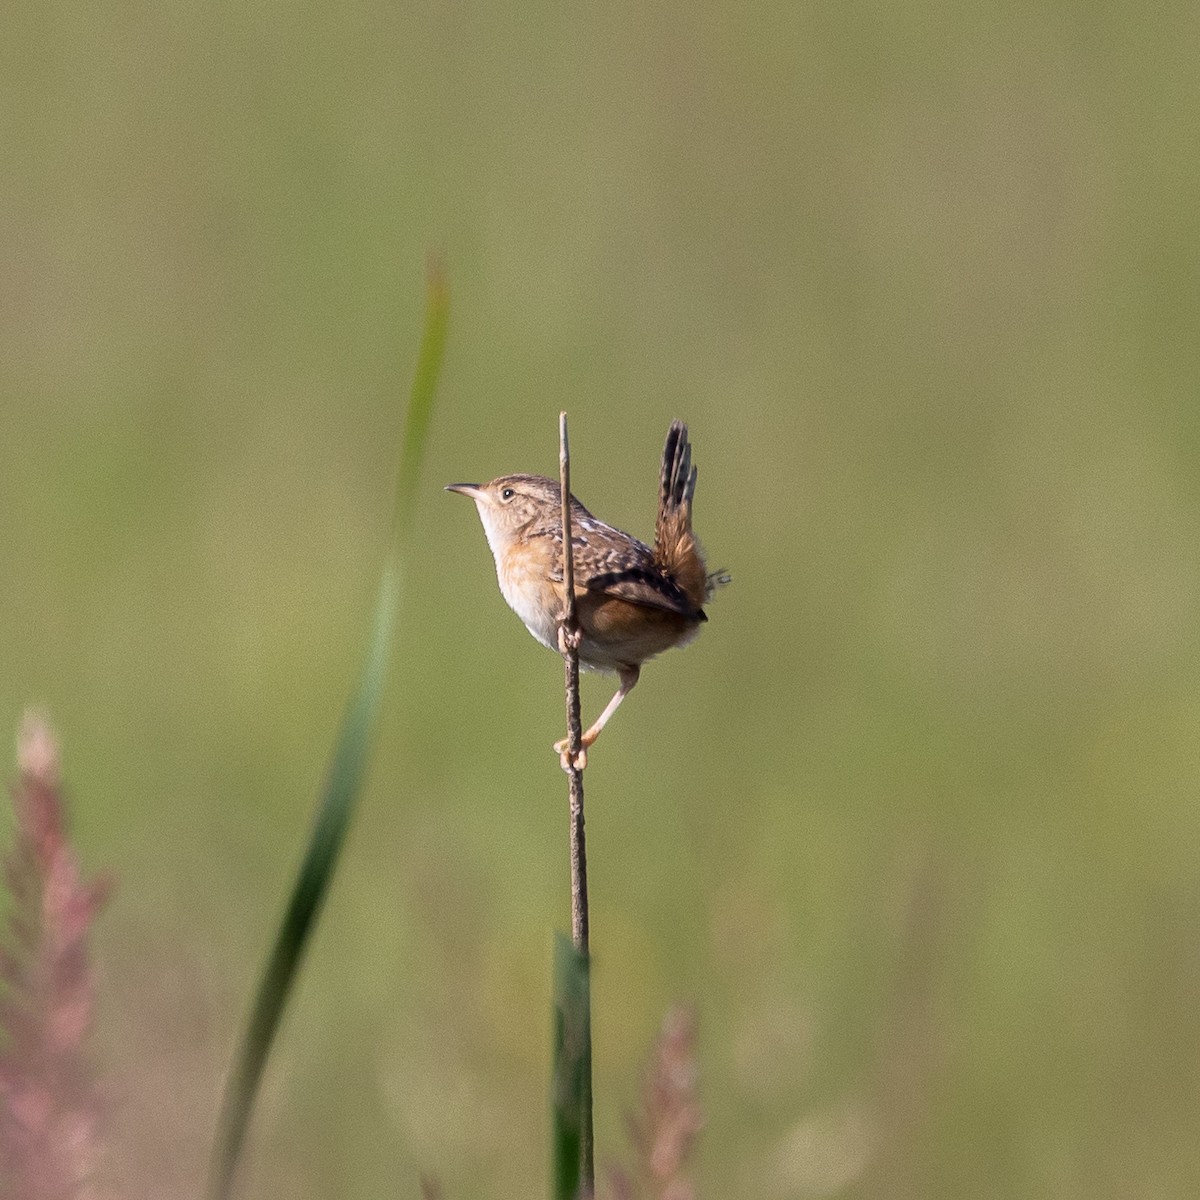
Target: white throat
[521, 593]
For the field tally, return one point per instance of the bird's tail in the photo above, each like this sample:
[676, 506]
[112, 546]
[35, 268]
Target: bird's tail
[676, 548]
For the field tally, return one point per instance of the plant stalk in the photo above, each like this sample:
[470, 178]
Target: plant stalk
[569, 641]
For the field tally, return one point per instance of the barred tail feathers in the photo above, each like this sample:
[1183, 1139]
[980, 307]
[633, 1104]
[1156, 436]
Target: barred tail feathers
[675, 545]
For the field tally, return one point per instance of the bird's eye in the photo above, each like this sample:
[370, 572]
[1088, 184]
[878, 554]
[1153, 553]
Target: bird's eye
[508, 494]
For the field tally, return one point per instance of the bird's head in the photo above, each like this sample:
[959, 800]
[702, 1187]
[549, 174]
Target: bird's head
[511, 504]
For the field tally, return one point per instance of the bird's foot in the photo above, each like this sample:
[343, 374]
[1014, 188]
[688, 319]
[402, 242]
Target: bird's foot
[569, 639]
[564, 756]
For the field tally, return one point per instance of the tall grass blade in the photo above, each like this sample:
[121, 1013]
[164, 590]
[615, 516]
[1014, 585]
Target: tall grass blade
[346, 771]
[571, 1099]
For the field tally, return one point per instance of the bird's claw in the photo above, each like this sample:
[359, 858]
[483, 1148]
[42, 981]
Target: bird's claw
[569, 639]
[564, 756]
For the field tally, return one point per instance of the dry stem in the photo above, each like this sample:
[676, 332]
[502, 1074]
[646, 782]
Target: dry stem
[569, 641]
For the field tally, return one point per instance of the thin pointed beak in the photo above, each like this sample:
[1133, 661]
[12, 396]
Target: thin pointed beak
[465, 489]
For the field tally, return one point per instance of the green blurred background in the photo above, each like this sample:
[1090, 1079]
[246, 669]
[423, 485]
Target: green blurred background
[915, 824]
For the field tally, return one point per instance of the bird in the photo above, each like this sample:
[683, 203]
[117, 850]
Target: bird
[633, 601]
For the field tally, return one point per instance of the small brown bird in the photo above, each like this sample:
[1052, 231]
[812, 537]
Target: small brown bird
[633, 601]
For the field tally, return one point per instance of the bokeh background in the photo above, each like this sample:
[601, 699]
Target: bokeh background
[915, 824]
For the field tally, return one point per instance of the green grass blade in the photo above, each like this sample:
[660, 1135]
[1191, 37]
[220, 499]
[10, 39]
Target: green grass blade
[420, 404]
[346, 772]
[571, 1101]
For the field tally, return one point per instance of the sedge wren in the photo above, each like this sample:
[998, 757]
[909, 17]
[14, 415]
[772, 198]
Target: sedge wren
[633, 601]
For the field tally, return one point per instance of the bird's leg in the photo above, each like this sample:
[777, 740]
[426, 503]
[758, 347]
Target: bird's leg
[629, 678]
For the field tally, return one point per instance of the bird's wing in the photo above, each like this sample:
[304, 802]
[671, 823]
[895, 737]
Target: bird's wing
[611, 563]
[648, 589]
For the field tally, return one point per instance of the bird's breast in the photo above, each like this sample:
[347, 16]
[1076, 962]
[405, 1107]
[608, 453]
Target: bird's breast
[531, 595]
